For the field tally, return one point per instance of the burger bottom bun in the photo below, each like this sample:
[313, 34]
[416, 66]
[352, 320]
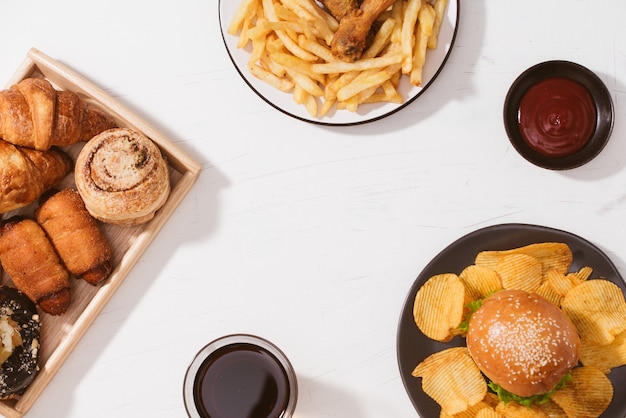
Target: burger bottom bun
[522, 342]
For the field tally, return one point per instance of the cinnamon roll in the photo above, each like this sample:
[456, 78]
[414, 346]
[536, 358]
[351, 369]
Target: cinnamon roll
[122, 177]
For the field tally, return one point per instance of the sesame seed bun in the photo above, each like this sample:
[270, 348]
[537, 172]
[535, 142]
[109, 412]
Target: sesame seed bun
[522, 342]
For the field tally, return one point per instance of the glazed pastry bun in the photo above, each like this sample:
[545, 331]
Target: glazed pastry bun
[122, 177]
[522, 342]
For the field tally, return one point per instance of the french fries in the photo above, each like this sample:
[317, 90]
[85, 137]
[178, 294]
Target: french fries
[290, 50]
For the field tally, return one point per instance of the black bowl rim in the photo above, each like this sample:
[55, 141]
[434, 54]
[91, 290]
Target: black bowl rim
[573, 71]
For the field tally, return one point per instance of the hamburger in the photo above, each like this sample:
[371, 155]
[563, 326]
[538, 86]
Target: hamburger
[522, 342]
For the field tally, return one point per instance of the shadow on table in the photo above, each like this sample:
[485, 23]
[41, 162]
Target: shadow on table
[610, 161]
[317, 399]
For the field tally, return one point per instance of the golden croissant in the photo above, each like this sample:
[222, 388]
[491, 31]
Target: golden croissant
[33, 114]
[25, 174]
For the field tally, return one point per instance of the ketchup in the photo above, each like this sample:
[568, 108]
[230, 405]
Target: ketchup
[557, 117]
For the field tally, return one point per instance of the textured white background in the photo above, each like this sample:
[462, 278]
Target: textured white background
[307, 235]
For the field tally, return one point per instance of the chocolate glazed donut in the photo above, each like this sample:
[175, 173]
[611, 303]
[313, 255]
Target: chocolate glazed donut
[122, 177]
[21, 367]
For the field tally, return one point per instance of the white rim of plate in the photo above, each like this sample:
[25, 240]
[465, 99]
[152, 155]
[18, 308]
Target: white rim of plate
[435, 61]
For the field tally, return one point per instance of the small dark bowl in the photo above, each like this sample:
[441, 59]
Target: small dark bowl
[575, 72]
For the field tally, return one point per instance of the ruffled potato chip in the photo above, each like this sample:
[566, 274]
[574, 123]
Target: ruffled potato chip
[515, 410]
[552, 409]
[480, 281]
[452, 379]
[560, 282]
[488, 413]
[587, 395]
[556, 284]
[489, 402]
[520, 271]
[439, 305]
[552, 255]
[577, 277]
[598, 310]
[547, 291]
[605, 357]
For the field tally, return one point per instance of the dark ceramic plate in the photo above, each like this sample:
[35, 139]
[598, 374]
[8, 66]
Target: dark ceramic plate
[284, 102]
[602, 100]
[413, 346]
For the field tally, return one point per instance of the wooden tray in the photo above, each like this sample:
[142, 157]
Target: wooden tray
[60, 334]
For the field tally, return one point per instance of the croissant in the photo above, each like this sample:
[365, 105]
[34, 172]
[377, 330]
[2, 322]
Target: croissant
[25, 174]
[33, 114]
[75, 235]
[28, 257]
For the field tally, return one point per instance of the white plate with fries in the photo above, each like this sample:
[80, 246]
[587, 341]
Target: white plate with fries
[281, 50]
[413, 346]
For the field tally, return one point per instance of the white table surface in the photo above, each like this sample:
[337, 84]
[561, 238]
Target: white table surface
[306, 235]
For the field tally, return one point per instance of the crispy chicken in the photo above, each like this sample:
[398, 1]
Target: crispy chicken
[339, 8]
[350, 39]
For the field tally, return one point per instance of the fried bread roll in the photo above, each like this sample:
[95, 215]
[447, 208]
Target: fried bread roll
[25, 174]
[28, 257]
[122, 177]
[75, 235]
[35, 115]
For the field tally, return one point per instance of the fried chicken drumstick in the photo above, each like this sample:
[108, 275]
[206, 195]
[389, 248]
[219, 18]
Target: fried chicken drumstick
[351, 36]
[339, 8]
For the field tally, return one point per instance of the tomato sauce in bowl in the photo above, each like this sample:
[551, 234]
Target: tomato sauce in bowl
[558, 115]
